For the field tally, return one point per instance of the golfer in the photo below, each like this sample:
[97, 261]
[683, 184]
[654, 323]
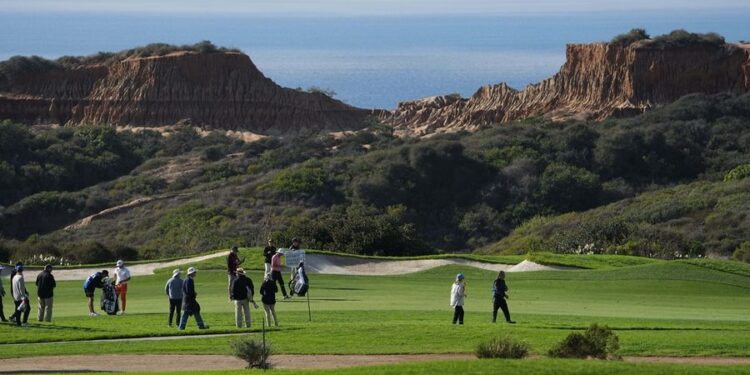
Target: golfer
[458, 293]
[174, 294]
[45, 284]
[122, 276]
[95, 280]
[190, 304]
[500, 290]
[276, 271]
[2, 294]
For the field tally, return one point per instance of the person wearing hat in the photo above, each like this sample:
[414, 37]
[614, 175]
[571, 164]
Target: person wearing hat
[499, 295]
[268, 252]
[122, 276]
[458, 293]
[190, 304]
[20, 298]
[276, 271]
[174, 293]
[233, 262]
[45, 284]
[242, 294]
[95, 280]
[2, 294]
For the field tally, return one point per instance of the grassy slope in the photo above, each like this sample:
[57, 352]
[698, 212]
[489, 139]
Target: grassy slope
[696, 210]
[665, 308]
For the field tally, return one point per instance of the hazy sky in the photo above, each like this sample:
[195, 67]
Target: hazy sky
[360, 7]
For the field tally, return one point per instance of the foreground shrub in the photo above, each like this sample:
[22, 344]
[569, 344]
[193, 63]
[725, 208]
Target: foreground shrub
[251, 352]
[505, 347]
[596, 342]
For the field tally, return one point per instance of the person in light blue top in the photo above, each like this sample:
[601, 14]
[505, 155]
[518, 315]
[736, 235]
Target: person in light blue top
[173, 289]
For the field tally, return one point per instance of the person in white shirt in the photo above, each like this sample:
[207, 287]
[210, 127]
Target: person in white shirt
[122, 276]
[458, 293]
[20, 298]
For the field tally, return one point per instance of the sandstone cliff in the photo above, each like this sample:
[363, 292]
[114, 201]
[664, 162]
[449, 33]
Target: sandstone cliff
[212, 90]
[597, 81]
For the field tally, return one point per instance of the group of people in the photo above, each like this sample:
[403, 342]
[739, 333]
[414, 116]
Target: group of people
[45, 284]
[499, 295]
[113, 289]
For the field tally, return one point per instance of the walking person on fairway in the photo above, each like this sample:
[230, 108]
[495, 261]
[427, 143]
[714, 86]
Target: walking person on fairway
[268, 252]
[20, 298]
[174, 293]
[233, 262]
[95, 280]
[122, 276]
[499, 295]
[190, 304]
[2, 294]
[458, 293]
[276, 271]
[268, 297]
[45, 284]
[242, 295]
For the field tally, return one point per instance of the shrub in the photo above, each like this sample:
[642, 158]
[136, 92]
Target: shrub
[683, 37]
[631, 36]
[738, 173]
[742, 253]
[505, 347]
[251, 352]
[597, 342]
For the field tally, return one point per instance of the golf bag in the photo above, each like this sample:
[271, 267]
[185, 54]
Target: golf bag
[109, 299]
[300, 283]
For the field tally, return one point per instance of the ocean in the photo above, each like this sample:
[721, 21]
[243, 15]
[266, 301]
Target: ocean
[370, 62]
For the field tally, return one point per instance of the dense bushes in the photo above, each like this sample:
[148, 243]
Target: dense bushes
[505, 347]
[596, 342]
[631, 36]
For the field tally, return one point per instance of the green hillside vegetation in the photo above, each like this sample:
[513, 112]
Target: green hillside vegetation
[697, 217]
[373, 194]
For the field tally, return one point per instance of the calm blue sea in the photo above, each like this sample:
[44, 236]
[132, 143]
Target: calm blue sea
[367, 61]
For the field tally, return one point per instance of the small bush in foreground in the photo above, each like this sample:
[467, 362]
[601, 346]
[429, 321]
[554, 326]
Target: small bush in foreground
[251, 352]
[597, 342]
[505, 347]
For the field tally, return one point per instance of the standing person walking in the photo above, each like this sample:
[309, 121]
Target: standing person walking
[268, 297]
[190, 304]
[268, 252]
[276, 271]
[458, 293]
[122, 276]
[45, 284]
[233, 262]
[2, 294]
[242, 295]
[20, 298]
[174, 293]
[95, 280]
[498, 299]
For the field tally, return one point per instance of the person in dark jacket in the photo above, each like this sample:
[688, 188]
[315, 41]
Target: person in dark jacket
[174, 293]
[233, 262]
[499, 296]
[242, 295]
[268, 252]
[190, 304]
[45, 284]
[2, 294]
[268, 297]
[95, 280]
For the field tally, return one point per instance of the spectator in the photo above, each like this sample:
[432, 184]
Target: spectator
[242, 295]
[20, 298]
[190, 304]
[458, 293]
[45, 284]
[2, 294]
[268, 252]
[268, 297]
[174, 293]
[233, 262]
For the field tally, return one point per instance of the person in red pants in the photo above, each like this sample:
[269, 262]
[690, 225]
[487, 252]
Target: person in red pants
[122, 276]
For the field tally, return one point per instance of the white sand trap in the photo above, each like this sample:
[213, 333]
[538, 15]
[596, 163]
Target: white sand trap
[135, 269]
[342, 265]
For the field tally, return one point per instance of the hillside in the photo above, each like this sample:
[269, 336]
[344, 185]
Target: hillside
[700, 217]
[205, 87]
[620, 78]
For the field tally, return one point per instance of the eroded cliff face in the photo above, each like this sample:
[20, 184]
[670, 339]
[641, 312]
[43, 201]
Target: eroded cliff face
[596, 81]
[213, 90]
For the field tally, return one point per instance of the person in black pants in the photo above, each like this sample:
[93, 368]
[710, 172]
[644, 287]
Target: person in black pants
[498, 299]
[2, 294]
[173, 289]
[268, 253]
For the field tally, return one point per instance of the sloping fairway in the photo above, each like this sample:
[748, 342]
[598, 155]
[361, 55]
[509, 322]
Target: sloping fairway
[662, 308]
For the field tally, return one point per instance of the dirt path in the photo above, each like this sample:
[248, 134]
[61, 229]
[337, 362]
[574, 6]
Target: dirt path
[135, 269]
[88, 363]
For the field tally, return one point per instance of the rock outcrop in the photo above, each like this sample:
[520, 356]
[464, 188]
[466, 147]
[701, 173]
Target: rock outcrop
[221, 90]
[597, 81]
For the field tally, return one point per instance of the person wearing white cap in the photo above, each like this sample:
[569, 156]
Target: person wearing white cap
[190, 304]
[174, 293]
[122, 276]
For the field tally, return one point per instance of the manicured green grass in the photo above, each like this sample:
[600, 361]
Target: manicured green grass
[663, 308]
[599, 261]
